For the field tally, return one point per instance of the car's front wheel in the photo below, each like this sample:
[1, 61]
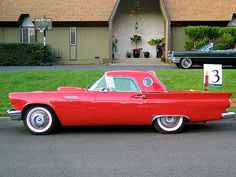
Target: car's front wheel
[177, 64]
[39, 120]
[169, 124]
[186, 63]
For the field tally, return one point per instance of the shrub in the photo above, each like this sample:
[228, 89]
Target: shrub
[219, 46]
[17, 54]
[189, 45]
[201, 35]
[228, 40]
[201, 43]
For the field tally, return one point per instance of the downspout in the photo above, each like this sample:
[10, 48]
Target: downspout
[168, 34]
[111, 26]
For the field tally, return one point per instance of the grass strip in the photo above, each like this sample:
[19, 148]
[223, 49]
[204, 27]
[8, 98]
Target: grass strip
[24, 81]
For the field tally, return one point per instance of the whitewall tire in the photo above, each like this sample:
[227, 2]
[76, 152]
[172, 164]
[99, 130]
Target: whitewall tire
[169, 124]
[39, 120]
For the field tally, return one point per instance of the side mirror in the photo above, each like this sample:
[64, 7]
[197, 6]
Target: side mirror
[104, 89]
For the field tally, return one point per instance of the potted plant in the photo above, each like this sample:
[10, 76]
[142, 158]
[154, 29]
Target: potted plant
[146, 54]
[128, 54]
[160, 46]
[136, 52]
[136, 39]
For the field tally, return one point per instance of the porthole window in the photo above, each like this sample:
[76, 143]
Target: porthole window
[147, 82]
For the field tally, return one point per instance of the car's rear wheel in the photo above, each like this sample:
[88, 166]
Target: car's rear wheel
[186, 63]
[39, 120]
[169, 124]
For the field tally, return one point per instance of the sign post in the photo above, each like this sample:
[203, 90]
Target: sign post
[42, 25]
[212, 76]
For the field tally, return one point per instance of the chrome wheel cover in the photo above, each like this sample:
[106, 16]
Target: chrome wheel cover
[39, 119]
[186, 63]
[170, 123]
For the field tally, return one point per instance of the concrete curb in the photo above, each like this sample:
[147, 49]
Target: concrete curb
[4, 117]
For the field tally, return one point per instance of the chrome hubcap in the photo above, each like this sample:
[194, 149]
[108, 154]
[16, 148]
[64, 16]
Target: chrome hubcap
[186, 63]
[39, 119]
[169, 122]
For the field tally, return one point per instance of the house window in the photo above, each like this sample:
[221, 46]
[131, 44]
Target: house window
[28, 35]
[73, 36]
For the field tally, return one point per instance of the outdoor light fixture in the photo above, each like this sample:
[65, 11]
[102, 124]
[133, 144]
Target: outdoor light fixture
[26, 22]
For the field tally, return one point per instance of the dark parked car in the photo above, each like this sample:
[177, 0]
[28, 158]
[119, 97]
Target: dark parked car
[205, 55]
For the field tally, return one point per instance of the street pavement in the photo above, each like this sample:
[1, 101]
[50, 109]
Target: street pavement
[201, 150]
[89, 67]
[162, 66]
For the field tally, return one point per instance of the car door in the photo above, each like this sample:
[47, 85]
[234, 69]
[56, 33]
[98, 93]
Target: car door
[122, 103]
[75, 107]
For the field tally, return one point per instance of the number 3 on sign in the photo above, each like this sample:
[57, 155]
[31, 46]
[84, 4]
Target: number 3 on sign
[212, 75]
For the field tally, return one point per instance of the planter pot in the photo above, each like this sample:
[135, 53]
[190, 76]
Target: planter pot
[136, 54]
[146, 55]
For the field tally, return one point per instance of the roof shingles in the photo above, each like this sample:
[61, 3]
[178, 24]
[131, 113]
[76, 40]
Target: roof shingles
[201, 10]
[100, 10]
[58, 10]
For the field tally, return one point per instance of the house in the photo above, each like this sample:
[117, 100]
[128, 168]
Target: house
[86, 29]
[199, 12]
[80, 27]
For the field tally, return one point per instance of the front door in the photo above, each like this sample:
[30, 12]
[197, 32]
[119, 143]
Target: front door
[122, 104]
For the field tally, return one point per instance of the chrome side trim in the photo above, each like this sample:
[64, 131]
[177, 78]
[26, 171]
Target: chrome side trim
[159, 116]
[71, 97]
[228, 115]
[14, 114]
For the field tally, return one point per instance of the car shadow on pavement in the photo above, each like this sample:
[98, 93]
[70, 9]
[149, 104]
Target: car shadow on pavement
[214, 126]
[208, 127]
[105, 129]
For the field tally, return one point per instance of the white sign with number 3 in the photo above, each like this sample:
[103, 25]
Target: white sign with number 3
[212, 75]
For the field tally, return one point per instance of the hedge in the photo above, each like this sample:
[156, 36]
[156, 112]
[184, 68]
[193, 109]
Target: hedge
[18, 54]
[222, 37]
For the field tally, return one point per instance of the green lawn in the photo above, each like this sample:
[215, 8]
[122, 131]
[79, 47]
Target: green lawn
[49, 80]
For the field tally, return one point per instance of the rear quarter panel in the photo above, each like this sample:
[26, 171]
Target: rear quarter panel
[197, 106]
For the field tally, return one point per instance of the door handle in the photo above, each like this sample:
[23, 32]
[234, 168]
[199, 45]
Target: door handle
[140, 96]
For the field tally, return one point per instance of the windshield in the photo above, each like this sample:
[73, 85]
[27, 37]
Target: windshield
[99, 84]
[206, 47]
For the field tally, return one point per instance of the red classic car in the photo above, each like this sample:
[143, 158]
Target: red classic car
[118, 98]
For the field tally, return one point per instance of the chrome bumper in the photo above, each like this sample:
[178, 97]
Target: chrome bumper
[14, 114]
[229, 115]
[175, 60]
